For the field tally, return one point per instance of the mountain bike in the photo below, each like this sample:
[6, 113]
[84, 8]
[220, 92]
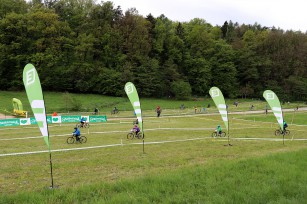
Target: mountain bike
[216, 134]
[133, 134]
[72, 139]
[280, 132]
[85, 125]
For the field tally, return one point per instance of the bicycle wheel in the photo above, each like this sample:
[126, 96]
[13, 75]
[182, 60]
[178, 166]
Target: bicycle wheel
[287, 132]
[223, 134]
[130, 136]
[87, 125]
[277, 132]
[83, 139]
[78, 125]
[213, 134]
[70, 140]
[140, 135]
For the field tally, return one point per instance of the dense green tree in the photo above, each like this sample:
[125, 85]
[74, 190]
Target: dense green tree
[90, 47]
[134, 29]
[197, 61]
[147, 78]
[181, 89]
[49, 46]
[108, 82]
[224, 73]
[247, 63]
[12, 6]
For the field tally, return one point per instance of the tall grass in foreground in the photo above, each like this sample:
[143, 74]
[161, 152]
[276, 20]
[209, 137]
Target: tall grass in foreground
[278, 178]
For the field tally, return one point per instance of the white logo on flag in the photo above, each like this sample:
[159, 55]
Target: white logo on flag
[270, 96]
[30, 76]
[129, 89]
[215, 93]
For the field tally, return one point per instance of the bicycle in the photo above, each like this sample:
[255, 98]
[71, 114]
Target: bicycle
[85, 125]
[113, 112]
[72, 139]
[216, 134]
[280, 132]
[133, 134]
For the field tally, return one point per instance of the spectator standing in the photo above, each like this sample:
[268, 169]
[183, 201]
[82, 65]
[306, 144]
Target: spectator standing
[158, 110]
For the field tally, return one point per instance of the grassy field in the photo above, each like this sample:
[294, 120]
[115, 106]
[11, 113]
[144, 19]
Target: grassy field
[181, 162]
[178, 163]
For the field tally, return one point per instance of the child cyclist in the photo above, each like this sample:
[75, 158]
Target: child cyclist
[82, 121]
[136, 129]
[285, 125]
[219, 129]
[76, 133]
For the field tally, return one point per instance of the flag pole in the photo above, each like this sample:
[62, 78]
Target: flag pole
[283, 128]
[228, 127]
[143, 135]
[50, 161]
[50, 157]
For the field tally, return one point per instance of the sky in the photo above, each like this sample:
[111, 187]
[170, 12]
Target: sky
[283, 14]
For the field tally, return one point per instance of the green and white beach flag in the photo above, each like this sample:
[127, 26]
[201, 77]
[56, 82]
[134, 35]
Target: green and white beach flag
[274, 103]
[219, 101]
[135, 101]
[35, 95]
[34, 92]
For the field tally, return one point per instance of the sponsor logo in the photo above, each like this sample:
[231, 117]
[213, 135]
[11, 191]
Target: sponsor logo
[30, 77]
[70, 119]
[270, 96]
[10, 122]
[129, 89]
[98, 119]
[215, 93]
[24, 121]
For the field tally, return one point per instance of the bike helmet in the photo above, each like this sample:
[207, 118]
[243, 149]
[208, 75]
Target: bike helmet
[75, 128]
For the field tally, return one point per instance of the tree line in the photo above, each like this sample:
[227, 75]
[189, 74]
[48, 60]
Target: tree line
[88, 47]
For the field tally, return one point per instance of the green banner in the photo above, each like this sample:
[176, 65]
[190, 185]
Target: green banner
[135, 101]
[52, 119]
[9, 122]
[219, 101]
[35, 95]
[97, 119]
[274, 103]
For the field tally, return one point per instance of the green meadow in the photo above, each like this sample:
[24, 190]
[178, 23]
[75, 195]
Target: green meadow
[178, 162]
[86, 103]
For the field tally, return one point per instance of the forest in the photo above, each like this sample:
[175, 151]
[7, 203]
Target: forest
[82, 46]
